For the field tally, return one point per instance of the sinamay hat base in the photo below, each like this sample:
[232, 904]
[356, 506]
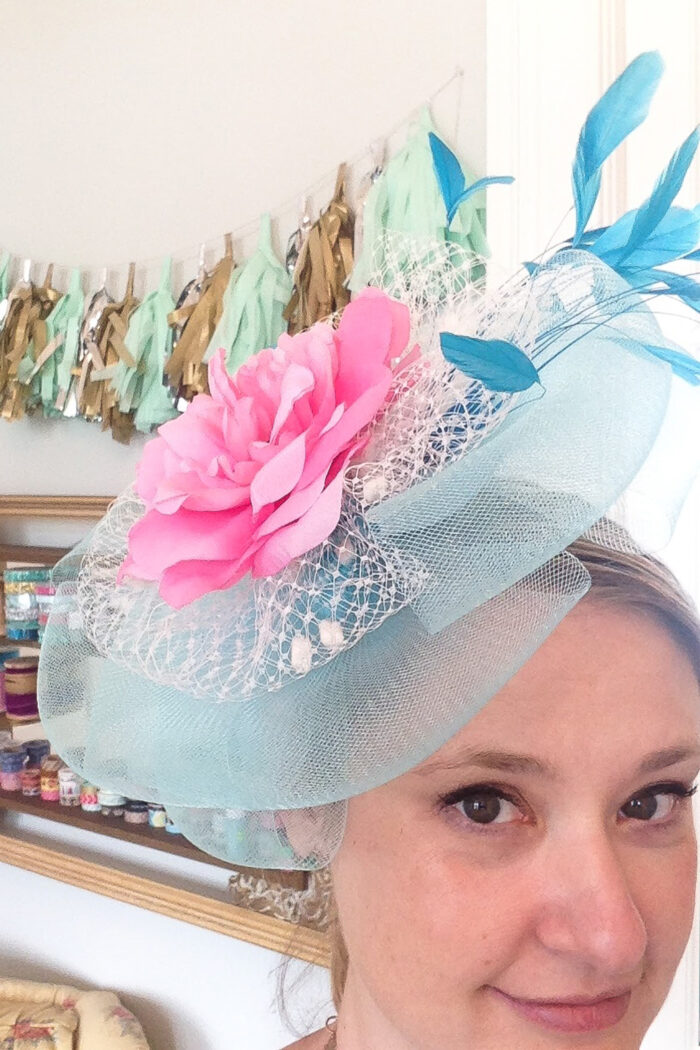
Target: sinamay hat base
[159, 703]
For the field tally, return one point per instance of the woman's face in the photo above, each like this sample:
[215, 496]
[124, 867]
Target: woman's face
[532, 884]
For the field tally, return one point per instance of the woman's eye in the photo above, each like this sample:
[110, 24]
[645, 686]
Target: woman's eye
[655, 806]
[487, 807]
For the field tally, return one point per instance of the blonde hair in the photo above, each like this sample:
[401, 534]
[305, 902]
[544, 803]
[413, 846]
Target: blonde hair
[627, 578]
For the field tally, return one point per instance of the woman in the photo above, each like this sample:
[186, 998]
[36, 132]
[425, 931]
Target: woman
[343, 620]
[532, 883]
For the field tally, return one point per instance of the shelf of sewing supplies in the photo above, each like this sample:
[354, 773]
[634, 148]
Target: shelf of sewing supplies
[141, 834]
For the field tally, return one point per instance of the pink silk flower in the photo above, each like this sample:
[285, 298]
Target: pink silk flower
[250, 477]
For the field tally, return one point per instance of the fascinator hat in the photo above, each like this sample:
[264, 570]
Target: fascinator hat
[330, 563]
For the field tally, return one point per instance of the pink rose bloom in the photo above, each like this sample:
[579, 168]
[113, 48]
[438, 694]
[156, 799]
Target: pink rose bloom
[251, 476]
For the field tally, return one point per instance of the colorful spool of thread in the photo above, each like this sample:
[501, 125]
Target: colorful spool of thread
[50, 789]
[156, 815]
[136, 812]
[30, 778]
[89, 799]
[21, 605]
[111, 803]
[7, 652]
[44, 597]
[69, 785]
[12, 761]
[20, 688]
[37, 751]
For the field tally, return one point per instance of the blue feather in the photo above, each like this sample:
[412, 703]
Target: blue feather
[652, 213]
[497, 364]
[622, 108]
[676, 234]
[448, 170]
[683, 286]
[683, 366]
[491, 180]
[451, 178]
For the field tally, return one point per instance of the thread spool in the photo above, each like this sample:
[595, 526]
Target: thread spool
[89, 799]
[7, 652]
[20, 688]
[156, 815]
[37, 751]
[136, 812]
[44, 596]
[12, 761]
[111, 803]
[21, 606]
[50, 789]
[69, 785]
[30, 779]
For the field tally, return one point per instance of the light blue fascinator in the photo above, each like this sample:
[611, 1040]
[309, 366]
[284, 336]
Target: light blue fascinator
[255, 711]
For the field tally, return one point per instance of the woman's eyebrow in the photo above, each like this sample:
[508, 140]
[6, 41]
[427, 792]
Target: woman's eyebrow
[670, 756]
[511, 762]
[503, 761]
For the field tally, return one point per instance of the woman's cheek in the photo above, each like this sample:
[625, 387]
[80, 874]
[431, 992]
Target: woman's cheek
[663, 884]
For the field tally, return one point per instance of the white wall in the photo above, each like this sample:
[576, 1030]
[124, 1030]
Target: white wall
[189, 987]
[134, 129]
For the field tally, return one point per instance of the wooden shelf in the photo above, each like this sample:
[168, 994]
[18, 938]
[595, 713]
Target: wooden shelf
[32, 555]
[141, 834]
[87, 507]
[21, 644]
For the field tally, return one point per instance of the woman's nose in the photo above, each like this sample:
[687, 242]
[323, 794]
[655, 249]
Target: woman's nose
[587, 910]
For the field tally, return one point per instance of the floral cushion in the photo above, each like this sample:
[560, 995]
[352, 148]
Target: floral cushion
[31, 1026]
[37, 1016]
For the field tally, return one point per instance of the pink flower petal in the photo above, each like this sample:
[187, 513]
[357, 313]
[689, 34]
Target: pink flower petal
[296, 383]
[355, 418]
[364, 339]
[313, 528]
[221, 384]
[279, 475]
[160, 540]
[151, 468]
[188, 580]
[293, 507]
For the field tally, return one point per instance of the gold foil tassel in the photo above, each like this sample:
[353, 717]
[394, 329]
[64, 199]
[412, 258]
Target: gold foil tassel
[25, 330]
[104, 349]
[196, 316]
[324, 264]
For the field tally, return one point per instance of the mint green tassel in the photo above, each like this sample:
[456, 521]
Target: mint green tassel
[4, 268]
[149, 340]
[51, 374]
[256, 295]
[407, 198]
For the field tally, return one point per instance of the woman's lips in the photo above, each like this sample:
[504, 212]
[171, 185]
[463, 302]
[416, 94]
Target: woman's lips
[570, 1015]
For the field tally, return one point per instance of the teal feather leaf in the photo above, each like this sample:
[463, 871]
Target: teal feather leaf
[451, 178]
[622, 108]
[448, 170]
[684, 366]
[496, 363]
[676, 234]
[683, 286]
[480, 184]
[652, 213]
